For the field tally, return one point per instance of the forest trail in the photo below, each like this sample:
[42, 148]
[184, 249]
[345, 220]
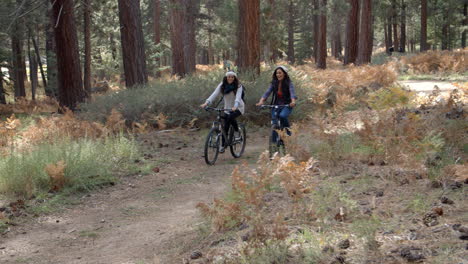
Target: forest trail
[142, 219]
[428, 86]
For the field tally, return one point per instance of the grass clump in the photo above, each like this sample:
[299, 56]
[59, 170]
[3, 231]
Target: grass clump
[78, 165]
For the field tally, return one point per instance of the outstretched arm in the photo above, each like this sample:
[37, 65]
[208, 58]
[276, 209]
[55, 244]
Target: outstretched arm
[215, 94]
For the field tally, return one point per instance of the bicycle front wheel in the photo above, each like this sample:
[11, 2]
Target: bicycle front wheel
[273, 140]
[212, 146]
[238, 141]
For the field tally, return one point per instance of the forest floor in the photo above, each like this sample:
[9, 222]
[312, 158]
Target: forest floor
[153, 218]
[143, 219]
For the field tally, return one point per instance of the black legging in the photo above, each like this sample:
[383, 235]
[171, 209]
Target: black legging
[231, 120]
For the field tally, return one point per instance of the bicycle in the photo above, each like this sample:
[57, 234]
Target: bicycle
[236, 140]
[275, 142]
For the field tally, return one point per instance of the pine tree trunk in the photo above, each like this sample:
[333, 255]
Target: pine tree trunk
[156, 21]
[445, 31]
[390, 32]
[464, 23]
[249, 36]
[133, 44]
[18, 64]
[322, 40]
[157, 30]
[403, 27]
[395, 26]
[387, 45]
[315, 19]
[336, 42]
[38, 59]
[352, 33]
[336, 35]
[177, 39]
[423, 26]
[365, 33]
[70, 84]
[190, 46]
[291, 57]
[51, 89]
[87, 46]
[32, 69]
[2, 90]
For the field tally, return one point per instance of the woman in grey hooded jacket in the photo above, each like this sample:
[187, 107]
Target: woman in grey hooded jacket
[231, 90]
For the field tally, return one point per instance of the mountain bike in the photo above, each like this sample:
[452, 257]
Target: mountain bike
[236, 140]
[275, 142]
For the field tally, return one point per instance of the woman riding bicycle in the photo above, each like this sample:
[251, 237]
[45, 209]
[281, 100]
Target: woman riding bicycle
[283, 94]
[231, 90]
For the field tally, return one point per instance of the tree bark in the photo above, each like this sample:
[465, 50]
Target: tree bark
[177, 39]
[423, 43]
[365, 34]
[315, 19]
[156, 21]
[403, 26]
[87, 46]
[18, 63]
[249, 35]
[157, 30]
[70, 84]
[445, 31]
[387, 45]
[291, 17]
[133, 45]
[395, 26]
[51, 89]
[190, 45]
[322, 40]
[352, 32]
[32, 68]
[38, 59]
[2, 90]
[464, 23]
[336, 35]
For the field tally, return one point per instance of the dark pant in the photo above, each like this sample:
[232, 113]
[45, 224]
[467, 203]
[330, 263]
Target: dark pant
[230, 120]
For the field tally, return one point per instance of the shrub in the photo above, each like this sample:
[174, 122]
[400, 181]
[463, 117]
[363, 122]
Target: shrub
[179, 100]
[437, 62]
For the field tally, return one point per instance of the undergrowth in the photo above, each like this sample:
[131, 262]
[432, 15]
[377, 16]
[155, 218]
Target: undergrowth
[77, 165]
[179, 100]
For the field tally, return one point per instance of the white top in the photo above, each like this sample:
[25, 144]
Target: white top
[230, 100]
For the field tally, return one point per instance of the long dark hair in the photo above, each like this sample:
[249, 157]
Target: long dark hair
[225, 83]
[286, 79]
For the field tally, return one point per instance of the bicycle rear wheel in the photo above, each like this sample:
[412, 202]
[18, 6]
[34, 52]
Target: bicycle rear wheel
[238, 141]
[212, 146]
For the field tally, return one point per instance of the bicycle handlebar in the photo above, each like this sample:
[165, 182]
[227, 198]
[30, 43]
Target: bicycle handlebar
[273, 106]
[216, 109]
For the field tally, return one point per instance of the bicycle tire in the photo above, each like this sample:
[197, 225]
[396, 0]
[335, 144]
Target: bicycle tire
[241, 144]
[212, 144]
[272, 144]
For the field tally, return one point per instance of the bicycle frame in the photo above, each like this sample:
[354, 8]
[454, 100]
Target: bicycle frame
[275, 137]
[218, 123]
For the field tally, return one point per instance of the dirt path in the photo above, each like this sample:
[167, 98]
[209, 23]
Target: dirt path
[428, 86]
[143, 219]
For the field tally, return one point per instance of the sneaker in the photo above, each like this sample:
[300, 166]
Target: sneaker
[288, 131]
[221, 149]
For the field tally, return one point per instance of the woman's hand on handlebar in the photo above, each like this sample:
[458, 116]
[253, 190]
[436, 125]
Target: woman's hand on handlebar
[204, 105]
[292, 104]
[261, 102]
